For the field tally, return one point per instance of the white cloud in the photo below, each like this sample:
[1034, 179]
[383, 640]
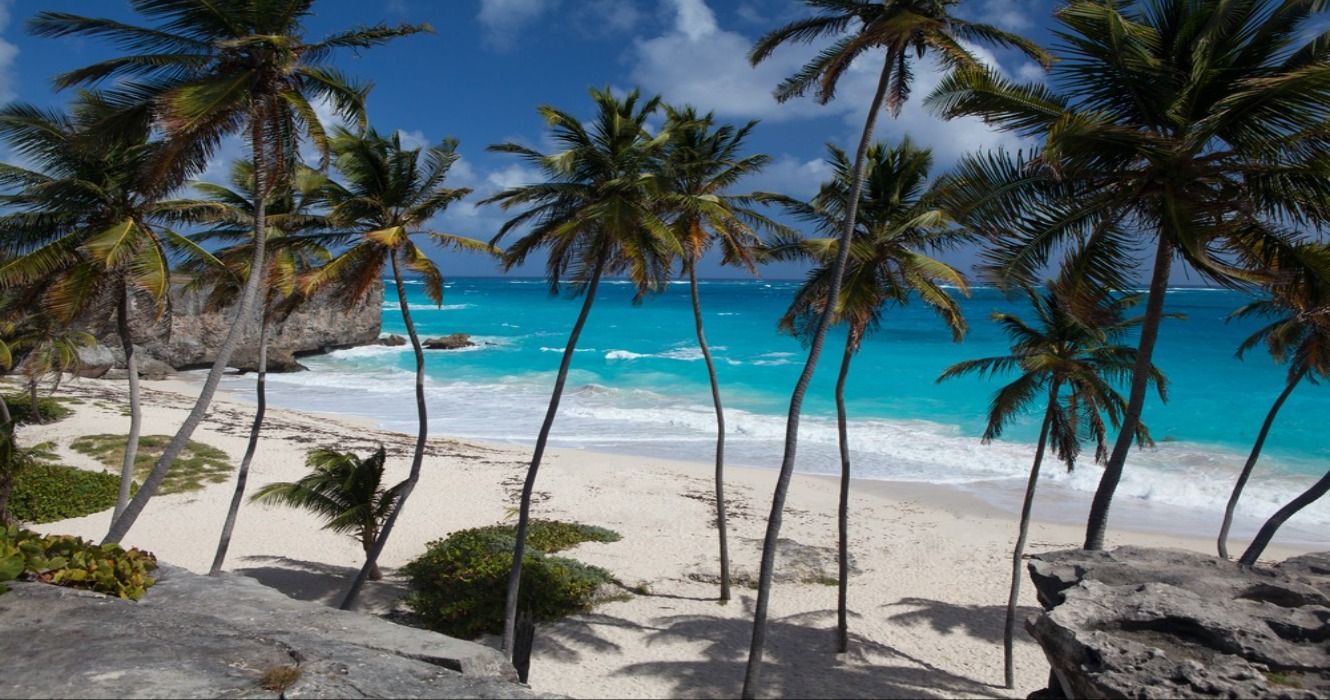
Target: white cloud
[413, 139]
[789, 176]
[8, 55]
[504, 18]
[1012, 15]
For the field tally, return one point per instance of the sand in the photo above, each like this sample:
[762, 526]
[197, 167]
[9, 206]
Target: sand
[926, 604]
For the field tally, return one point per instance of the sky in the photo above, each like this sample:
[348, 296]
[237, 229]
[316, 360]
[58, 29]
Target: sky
[488, 65]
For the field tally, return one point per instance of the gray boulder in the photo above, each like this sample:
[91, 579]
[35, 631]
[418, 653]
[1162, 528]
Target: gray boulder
[246, 359]
[392, 340]
[95, 361]
[455, 341]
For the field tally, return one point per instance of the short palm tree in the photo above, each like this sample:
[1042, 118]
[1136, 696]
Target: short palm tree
[1194, 127]
[45, 348]
[702, 164]
[885, 267]
[389, 196]
[897, 30]
[346, 491]
[1074, 362]
[206, 70]
[596, 213]
[229, 214]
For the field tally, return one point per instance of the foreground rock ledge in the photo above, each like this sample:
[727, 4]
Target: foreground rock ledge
[1161, 623]
[195, 636]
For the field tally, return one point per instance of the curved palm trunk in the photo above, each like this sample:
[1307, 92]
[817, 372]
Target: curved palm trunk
[135, 409]
[242, 475]
[1276, 521]
[754, 669]
[528, 486]
[1009, 631]
[1251, 461]
[843, 510]
[121, 525]
[370, 570]
[1097, 525]
[33, 402]
[4, 411]
[367, 542]
[720, 437]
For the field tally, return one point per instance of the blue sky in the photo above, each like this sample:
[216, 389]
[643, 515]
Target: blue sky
[481, 75]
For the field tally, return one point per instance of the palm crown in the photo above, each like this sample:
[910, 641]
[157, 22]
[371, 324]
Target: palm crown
[345, 490]
[1300, 305]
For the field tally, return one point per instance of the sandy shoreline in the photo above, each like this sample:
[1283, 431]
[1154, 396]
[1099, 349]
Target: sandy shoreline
[926, 604]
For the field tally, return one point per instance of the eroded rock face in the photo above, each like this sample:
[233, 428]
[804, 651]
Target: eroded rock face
[1136, 622]
[197, 636]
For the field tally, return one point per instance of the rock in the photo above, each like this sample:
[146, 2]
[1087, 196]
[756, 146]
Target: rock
[392, 340]
[153, 368]
[795, 563]
[95, 361]
[455, 341]
[246, 359]
[196, 636]
[1156, 623]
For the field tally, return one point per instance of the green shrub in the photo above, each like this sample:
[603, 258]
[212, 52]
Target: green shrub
[44, 493]
[20, 408]
[459, 583]
[65, 560]
[198, 463]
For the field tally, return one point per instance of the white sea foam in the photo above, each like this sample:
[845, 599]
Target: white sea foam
[432, 307]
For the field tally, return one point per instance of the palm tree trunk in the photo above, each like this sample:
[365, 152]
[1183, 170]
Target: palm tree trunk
[242, 475]
[4, 411]
[32, 400]
[754, 669]
[843, 510]
[1009, 631]
[1251, 461]
[368, 544]
[529, 486]
[371, 568]
[720, 436]
[135, 408]
[1131, 419]
[121, 525]
[1271, 526]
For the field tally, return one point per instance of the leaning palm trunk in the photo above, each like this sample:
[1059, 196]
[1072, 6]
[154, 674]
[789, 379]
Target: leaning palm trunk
[121, 525]
[1009, 630]
[4, 412]
[1251, 462]
[843, 510]
[33, 401]
[720, 438]
[242, 475]
[368, 543]
[1131, 419]
[1276, 521]
[135, 409]
[370, 571]
[754, 669]
[529, 486]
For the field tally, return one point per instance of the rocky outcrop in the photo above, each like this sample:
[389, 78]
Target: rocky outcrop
[392, 340]
[455, 341]
[1160, 623]
[196, 636]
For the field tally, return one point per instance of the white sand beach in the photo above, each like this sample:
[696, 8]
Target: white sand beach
[927, 601]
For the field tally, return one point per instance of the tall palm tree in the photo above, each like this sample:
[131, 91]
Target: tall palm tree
[897, 29]
[206, 70]
[701, 165]
[596, 213]
[229, 213]
[1076, 364]
[885, 267]
[390, 194]
[1299, 300]
[344, 490]
[1193, 126]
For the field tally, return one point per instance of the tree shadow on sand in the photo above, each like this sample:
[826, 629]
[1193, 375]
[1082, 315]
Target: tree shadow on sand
[799, 662]
[984, 622]
[324, 583]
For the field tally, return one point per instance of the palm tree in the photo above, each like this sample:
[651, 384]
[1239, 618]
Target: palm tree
[1195, 126]
[44, 347]
[344, 490]
[1075, 363]
[885, 267]
[596, 213]
[207, 70]
[702, 163]
[222, 274]
[1300, 336]
[896, 28]
[390, 195]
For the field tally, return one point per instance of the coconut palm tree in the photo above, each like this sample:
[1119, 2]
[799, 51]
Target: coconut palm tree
[1192, 127]
[596, 213]
[206, 70]
[885, 267]
[45, 347]
[897, 29]
[701, 165]
[389, 196]
[346, 491]
[1076, 364]
[229, 213]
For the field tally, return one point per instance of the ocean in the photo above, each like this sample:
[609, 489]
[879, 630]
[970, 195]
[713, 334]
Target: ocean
[638, 387]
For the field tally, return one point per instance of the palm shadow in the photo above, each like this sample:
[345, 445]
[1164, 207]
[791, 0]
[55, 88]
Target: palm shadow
[324, 583]
[985, 622]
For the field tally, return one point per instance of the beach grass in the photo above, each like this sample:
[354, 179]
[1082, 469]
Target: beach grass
[197, 466]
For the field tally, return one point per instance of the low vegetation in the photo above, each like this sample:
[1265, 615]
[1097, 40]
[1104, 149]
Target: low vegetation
[48, 410]
[45, 493]
[458, 585]
[65, 560]
[197, 466]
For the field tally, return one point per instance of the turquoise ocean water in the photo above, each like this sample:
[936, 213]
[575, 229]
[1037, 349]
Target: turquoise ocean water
[638, 386]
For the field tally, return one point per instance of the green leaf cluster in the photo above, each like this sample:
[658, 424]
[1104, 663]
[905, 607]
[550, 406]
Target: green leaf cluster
[458, 584]
[49, 410]
[45, 493]
[65, 560]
